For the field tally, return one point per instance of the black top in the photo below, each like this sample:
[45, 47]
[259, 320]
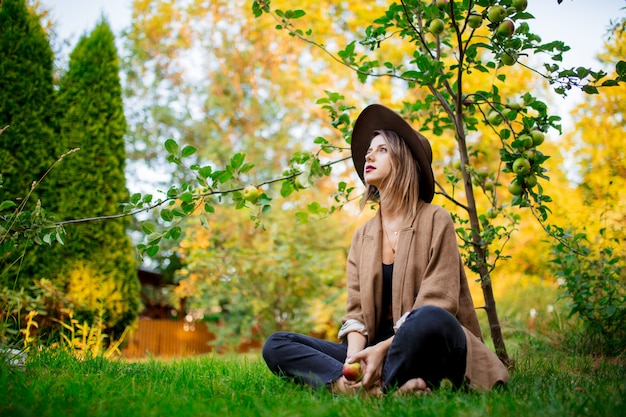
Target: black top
[385, 327]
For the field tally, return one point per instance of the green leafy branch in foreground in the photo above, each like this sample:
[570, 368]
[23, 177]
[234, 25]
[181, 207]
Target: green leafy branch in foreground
[21, 228]
[208, 187]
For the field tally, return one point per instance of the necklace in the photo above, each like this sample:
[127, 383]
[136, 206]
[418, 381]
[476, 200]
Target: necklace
[395, 232]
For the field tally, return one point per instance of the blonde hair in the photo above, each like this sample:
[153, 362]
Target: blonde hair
[402, 184]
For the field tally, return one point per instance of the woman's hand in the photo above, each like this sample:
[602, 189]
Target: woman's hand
[371, 359]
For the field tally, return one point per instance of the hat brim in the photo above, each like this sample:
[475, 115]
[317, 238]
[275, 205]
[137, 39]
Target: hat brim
[378, 117]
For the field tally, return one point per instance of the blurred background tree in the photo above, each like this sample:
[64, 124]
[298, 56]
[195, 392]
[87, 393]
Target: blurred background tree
[27, 145]
[92, 183]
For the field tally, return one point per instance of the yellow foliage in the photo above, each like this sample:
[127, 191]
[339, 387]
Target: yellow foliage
[86, 340]
[89, 290]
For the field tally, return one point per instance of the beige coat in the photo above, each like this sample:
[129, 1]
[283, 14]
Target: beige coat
[428, 270]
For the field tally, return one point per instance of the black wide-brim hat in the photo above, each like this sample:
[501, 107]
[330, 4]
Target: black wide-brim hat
[378, 117]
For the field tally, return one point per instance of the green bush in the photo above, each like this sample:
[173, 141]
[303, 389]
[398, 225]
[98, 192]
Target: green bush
[33, 315]
[594, 284]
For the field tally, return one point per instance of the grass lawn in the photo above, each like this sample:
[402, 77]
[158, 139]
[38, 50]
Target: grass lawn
[546, 382]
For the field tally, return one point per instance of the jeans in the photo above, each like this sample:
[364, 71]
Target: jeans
[430, 345]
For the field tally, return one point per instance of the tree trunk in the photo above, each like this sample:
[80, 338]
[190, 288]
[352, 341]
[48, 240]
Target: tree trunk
[485, 279]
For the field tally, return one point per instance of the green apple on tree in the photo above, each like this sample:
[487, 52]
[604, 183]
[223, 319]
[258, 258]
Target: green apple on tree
[526, 141]
[250, 193]
[511, 114]
[508, 58]
[531, 180]
[494, 118]
[515, 187]
[442, 3]
[474, 20]
[496, 14]
[436, 26]
[530, 154]
[538, 137]
[521, 166]
[520, 5]
[352, 371]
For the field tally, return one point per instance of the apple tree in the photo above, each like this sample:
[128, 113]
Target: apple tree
[451, 43]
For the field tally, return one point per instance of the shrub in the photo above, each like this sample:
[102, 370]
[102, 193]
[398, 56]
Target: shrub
[594, 284]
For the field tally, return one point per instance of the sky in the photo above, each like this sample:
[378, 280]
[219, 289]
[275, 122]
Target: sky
[581, 24]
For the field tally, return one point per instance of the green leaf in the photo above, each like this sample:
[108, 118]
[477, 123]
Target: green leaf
[148, 228]
[154, 238]
[6, 205]
[134, 199]
[186, 197]
[151, 251]
[167, 215]
[174, 233]
[590, 89]
[411, 74]
[171, 146]
[188, 151]
[205, 172]
[237, 160]
[224, 176]
[286, 189]
[620, 68]
[245, 168]
[610, 83]
[303, 218]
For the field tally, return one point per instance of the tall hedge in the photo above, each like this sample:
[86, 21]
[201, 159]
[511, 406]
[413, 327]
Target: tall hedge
[28, 147]
[98, 256]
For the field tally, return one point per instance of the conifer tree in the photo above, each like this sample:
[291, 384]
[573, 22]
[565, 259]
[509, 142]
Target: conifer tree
[28, 147]
[98, 257]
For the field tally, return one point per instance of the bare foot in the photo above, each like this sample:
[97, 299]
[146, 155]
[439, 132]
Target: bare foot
[343, 386]
[416, 386]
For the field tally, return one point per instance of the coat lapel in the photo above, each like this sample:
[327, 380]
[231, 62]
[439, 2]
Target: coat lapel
[372, 283]
[400, 266]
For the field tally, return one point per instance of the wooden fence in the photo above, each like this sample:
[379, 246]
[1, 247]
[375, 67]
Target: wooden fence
[168, 338]
[165, 338]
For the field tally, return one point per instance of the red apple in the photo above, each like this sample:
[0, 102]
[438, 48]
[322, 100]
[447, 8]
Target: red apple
[506, 28]
[352, 371]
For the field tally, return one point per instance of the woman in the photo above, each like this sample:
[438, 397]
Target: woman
[410, 320]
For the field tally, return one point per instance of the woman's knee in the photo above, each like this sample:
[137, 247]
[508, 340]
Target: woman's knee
[434, 321]
[272, 345]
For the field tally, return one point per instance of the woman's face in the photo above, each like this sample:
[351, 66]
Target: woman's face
[377, 162]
